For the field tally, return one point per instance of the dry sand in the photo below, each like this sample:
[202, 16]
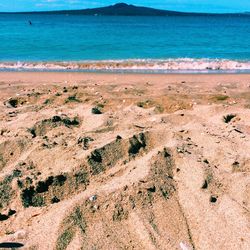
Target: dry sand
[105, 161]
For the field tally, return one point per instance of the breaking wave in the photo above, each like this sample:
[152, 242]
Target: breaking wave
[137, 65]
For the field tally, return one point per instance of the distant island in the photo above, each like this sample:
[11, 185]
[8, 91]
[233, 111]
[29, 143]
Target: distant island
[123, 9]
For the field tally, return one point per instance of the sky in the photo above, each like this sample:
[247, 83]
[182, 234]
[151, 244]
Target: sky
[219, 6]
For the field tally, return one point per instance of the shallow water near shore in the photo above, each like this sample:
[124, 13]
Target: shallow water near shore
[201, 43]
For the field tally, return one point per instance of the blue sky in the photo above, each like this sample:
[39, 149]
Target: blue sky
[180, 5]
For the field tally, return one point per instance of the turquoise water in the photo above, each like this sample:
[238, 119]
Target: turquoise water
[80, 38]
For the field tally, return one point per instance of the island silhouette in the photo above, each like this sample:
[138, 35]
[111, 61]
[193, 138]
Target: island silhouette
[123, 9]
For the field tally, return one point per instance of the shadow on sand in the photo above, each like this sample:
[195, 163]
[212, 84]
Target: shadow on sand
[11, 245]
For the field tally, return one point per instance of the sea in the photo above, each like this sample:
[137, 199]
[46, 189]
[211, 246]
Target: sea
[120, 43]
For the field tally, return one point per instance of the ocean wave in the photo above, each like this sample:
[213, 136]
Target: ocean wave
[181, 64]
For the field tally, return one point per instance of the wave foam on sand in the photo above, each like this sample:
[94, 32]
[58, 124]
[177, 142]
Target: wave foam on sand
[168, 65]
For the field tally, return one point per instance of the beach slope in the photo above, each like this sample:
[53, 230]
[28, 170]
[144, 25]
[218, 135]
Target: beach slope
[122, 161]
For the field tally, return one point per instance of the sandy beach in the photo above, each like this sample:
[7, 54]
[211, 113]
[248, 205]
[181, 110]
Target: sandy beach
[125, 161]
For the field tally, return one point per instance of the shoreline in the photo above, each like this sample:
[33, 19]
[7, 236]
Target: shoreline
[170, 65]
[118, 73]
[24, 75]
[8, 76]
[135, 72]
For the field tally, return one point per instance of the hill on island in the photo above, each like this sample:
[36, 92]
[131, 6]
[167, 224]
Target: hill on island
[123, 9]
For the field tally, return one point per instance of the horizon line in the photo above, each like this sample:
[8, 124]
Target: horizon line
[177, 11]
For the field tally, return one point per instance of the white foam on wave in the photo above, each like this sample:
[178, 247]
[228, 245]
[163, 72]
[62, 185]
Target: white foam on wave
[181, 64]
